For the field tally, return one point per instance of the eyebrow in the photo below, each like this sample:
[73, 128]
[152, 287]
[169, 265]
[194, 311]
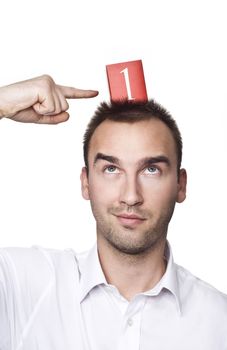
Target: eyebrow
[142, 162]
[154, 160]
[110, 159]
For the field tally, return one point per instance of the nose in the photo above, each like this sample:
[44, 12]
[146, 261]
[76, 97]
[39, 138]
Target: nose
[131, 193]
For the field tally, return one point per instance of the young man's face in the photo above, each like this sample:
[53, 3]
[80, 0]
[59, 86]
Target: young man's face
[132, 183]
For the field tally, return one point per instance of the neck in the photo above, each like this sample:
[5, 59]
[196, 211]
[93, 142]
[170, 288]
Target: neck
[132, 274]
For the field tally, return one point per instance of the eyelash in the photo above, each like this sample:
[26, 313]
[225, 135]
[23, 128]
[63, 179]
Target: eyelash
[113, 166]
[110, 166]
[153, 167]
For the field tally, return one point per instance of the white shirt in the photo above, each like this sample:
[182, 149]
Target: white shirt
[59, 300]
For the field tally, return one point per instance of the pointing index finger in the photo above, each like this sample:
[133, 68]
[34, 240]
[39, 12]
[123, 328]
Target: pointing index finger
[71, 92]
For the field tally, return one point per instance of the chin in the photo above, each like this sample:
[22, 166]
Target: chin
[133, 248]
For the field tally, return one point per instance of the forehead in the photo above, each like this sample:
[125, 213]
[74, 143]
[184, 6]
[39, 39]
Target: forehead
[133, 141]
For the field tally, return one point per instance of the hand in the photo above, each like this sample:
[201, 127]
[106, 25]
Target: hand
[39, 100]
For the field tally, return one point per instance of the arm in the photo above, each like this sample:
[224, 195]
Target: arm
[38, 100]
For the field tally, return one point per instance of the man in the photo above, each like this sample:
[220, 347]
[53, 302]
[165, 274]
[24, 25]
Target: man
[126, 292]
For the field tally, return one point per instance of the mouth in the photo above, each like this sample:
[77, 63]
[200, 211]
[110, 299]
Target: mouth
[130, 220]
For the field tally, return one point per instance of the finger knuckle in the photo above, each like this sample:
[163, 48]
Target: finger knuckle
[58, 110]
[50, 109]
[46, 82]
[65, 106]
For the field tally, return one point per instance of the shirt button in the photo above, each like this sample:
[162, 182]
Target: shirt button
[130, 322]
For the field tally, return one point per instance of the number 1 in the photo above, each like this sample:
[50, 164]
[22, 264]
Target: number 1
[128, 88]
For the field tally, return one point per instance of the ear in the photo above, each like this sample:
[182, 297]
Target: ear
[182, 183]
[84, 183]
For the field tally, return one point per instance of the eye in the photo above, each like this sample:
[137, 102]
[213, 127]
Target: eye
[151, 170]
[111, 169]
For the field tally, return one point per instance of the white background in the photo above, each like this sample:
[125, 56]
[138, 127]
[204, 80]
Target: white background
[183, 48]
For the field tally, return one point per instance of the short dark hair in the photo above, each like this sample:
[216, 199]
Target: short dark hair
[131, 112]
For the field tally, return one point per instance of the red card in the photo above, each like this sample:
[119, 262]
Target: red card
[126, 81]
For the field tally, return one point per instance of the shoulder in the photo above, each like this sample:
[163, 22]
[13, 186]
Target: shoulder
[32, 265]
[29, 257]
[205, 297]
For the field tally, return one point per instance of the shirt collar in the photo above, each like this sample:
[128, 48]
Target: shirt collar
[169, 280]
[91, 275]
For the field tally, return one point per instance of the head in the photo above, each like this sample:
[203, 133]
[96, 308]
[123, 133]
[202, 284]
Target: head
[132, 173]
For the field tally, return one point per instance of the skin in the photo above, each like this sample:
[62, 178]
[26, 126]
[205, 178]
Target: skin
[39, 100]
[130, 249]
[122, 182]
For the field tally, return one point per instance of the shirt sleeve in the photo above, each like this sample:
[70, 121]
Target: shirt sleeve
[4, 319]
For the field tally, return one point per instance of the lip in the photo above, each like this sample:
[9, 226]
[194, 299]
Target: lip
[130, 219]
[130, 216]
